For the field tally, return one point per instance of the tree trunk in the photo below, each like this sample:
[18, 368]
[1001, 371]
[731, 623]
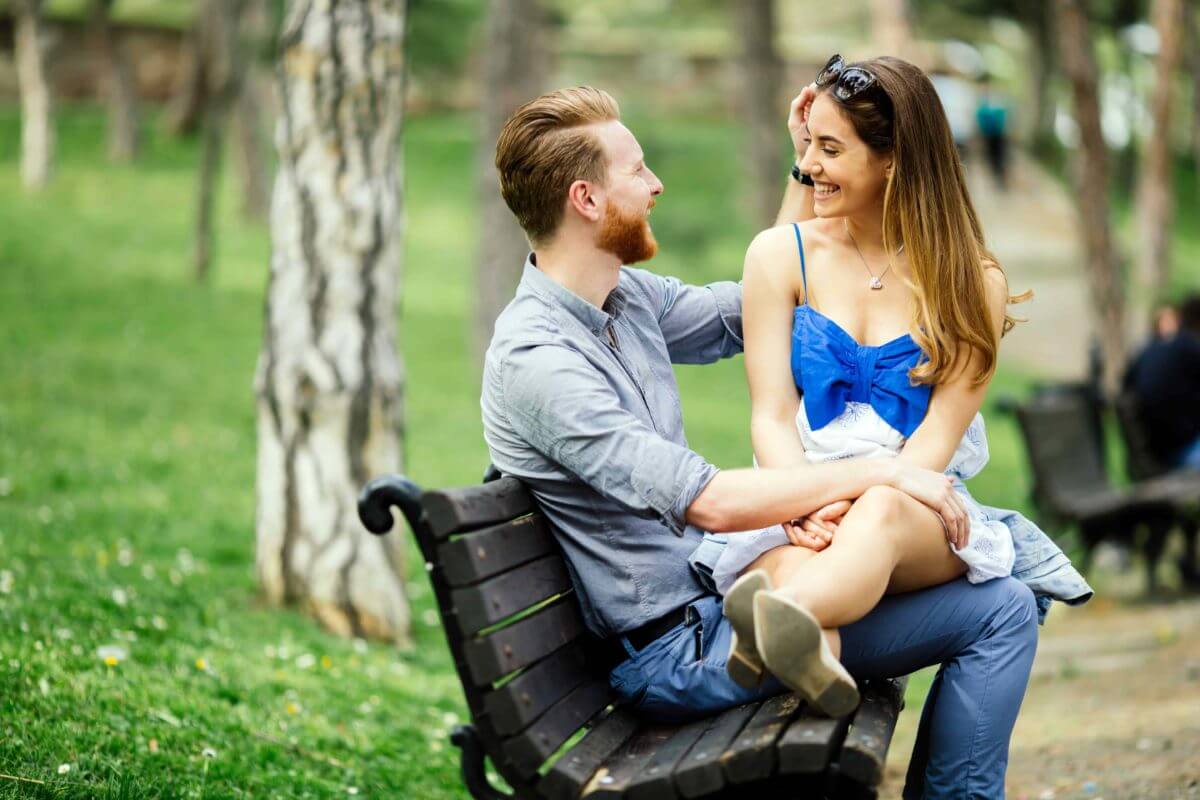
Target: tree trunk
[248, 133]
[1090, 173]
[188, 96]
[223, 66]
[37, 125]
[761, 78]
[249, 146]
[890, 28]
[512, 63]
[329, 383]
[1039, 20]
[120, 87]
[1155, 205]
[1192, 21]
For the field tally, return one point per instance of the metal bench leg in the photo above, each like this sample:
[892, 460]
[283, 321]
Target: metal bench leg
[474, 772]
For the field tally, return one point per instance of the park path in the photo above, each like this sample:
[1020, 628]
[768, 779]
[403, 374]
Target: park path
[1032, 228]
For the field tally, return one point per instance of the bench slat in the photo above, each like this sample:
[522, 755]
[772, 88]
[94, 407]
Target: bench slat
[809, 743]
[567, 777]
[529, 749]
[522, 700]
[655, 781]
[495, 599]
[700, 772]
[482, 554]
[751, 756]
[524, 642]
[866, 745]
[613, 778]
[455, 510]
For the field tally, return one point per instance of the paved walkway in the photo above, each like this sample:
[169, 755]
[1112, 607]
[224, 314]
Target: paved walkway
[1032, 228]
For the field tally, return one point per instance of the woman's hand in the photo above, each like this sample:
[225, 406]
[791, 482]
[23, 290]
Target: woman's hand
[936, 490]
[817, 529]
[798, 118]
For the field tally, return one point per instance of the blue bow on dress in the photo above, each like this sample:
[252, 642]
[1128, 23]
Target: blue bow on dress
[831, 369]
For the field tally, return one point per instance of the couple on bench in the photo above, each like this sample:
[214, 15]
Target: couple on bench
[870, 318]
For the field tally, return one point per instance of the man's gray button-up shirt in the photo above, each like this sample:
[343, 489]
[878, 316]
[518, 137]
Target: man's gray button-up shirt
[580, 403]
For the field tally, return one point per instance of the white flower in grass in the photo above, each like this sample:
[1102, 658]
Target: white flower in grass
[63, 769]
[6, 581]
[351, 790]
[305, 661]
[208, 752]
[112, 654]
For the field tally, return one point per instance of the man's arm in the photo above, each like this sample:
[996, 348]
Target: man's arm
[700, 324]
[747, 499]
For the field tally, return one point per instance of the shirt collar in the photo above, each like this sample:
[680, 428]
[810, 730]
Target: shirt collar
[595, 319]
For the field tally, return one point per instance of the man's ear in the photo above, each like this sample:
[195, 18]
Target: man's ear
[581, 196]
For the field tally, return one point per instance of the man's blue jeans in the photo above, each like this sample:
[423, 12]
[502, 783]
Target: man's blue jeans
[983, 636]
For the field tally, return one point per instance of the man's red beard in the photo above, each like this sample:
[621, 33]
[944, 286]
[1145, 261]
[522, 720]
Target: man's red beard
[626, 236]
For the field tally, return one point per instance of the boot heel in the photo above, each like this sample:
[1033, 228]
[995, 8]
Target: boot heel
[744, 664]
[793, 648]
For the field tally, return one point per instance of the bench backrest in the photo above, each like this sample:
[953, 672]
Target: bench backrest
[1067, 461]
[1140, 462]
[512, 622]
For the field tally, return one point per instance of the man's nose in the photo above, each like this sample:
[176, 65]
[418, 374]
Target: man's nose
[656, 186]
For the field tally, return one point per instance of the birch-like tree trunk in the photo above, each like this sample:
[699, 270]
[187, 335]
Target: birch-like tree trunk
[761, 77]
[513, 60]
[1038, 16]
[1155, 193]
[1090, 173]
[119, 86]
[329, 381]
[37, 124]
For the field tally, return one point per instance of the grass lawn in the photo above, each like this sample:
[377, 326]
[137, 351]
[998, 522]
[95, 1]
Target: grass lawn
[135, 657]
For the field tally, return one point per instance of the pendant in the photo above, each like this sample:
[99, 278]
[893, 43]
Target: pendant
[876, 283]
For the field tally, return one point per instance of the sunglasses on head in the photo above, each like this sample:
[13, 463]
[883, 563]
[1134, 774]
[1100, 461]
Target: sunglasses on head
[846, 81]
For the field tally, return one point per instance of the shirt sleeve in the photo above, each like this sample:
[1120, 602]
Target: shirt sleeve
[700, 324]
[564, 408]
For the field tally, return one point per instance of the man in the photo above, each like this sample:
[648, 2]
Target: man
[580, 403]
[1165, 378]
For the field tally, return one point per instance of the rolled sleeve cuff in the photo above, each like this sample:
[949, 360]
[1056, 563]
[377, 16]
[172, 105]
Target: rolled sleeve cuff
[694, 478]
[729, 305]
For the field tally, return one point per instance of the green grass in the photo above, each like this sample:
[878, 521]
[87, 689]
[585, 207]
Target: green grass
[127, 476]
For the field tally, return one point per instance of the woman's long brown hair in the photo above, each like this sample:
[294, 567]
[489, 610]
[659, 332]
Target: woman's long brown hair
[927, 209]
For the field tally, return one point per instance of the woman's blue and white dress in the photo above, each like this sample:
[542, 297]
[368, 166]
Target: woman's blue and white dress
[857, 402]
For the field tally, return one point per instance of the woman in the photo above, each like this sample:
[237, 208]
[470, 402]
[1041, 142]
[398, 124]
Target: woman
[871, 330]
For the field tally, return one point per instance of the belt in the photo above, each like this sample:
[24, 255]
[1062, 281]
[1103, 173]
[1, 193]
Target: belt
[614, 650]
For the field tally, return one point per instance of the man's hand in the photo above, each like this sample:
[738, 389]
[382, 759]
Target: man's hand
[798, 118]
[936, 490]
[817, 529]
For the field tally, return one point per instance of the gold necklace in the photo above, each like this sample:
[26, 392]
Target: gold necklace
[876, 281]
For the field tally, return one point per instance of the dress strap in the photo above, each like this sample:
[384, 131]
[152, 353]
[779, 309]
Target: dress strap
[800, 247]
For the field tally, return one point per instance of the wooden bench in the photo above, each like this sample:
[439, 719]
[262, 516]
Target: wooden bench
[541, 709]
[1071, 484]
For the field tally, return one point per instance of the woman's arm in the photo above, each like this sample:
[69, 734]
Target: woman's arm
[955, 403]
[768, 309]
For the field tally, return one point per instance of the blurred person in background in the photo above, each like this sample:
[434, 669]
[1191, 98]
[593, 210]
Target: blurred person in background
[991, 115]
[1165, 379]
